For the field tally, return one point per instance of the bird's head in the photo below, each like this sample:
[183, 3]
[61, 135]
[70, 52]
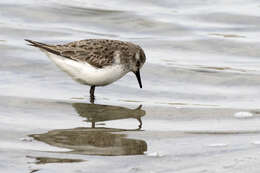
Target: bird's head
[137, 63]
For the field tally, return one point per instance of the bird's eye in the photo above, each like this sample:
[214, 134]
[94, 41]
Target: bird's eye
[138, 63]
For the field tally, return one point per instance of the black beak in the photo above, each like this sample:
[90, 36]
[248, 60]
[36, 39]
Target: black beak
[137, 74]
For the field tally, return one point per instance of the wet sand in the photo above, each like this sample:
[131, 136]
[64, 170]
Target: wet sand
[51, 135]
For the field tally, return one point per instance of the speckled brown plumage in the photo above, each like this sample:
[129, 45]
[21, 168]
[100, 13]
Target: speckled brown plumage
[97, 52]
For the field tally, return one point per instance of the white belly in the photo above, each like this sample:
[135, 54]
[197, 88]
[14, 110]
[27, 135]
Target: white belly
[86, 73]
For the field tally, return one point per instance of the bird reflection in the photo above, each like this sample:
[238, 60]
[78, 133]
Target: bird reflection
[100, 113]
[98, 140]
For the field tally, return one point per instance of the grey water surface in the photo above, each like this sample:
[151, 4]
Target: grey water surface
[198, 111]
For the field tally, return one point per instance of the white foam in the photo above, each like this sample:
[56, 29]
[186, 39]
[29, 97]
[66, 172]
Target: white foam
[256, 142]
[154, 154]
[217, 145]
[243, 115]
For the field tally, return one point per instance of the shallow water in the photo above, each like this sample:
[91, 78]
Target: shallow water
[198, 110]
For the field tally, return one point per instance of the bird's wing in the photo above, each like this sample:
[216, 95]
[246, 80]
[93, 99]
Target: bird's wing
[96, 54]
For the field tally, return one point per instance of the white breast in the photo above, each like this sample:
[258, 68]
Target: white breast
[86, 73]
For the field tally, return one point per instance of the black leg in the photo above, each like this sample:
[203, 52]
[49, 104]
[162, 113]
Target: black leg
[93, 124]
[140, 123]
[92, 96]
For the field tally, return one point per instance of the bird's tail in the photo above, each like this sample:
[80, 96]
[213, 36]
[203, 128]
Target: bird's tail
[35, 43]
[44, 46]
